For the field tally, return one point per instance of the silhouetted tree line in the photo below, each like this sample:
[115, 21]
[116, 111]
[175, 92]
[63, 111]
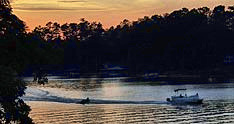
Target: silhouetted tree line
[184, 39]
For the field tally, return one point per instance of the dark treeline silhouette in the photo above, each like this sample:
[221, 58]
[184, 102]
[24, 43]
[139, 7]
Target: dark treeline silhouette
[182, 40]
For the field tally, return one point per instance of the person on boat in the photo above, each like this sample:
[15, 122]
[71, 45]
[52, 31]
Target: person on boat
[181, 96]
[85, 101]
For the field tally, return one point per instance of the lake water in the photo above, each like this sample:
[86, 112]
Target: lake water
[117, 101]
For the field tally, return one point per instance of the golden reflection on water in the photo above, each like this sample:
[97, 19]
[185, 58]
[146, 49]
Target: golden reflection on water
[45, 112]
[58, 113]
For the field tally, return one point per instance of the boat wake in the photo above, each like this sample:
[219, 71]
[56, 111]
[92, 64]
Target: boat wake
[34, 94]
[92, 101]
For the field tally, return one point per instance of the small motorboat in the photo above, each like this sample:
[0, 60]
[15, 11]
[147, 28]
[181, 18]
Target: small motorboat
[182, 98]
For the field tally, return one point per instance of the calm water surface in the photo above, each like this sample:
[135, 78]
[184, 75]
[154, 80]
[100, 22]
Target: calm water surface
[56, 102]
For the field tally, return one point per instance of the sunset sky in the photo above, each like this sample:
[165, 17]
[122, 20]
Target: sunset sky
[108, 12]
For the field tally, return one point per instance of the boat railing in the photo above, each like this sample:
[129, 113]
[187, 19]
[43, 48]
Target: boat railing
[176, 90]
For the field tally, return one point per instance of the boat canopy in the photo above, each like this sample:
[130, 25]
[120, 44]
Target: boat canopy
[176, 90]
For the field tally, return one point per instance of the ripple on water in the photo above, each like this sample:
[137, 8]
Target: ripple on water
[212, 112]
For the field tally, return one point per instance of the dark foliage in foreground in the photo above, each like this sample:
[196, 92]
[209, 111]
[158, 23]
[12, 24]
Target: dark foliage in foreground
[12, 34]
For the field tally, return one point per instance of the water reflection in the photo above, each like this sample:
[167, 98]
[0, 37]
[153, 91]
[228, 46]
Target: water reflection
[212, 112]
[218, 106]
[117, 89]
[80, 85]
[86, 85]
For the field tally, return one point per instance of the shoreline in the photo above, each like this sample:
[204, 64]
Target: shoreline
[160, 79]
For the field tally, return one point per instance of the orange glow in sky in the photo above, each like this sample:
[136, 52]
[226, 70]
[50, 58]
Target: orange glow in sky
[108, 12]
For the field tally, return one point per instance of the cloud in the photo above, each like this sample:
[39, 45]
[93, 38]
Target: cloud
[72, 1]
[41, 8]
[54, 5]
[79, 5]
[55, 9]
